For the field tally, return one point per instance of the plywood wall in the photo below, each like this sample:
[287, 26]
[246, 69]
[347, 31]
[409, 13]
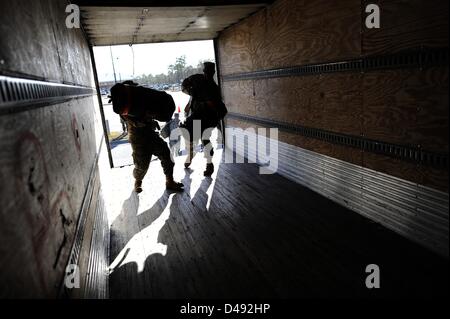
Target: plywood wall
[292, 32]
[407, 24]
[46, 154]
[36, 42]
[404, 106]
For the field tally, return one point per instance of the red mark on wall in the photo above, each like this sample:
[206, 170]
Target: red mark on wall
[50, 223]
[32, 187]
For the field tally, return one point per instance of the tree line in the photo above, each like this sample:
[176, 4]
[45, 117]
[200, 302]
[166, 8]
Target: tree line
[176, 73]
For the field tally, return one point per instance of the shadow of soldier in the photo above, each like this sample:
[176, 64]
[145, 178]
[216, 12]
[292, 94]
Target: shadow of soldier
[263, 236]
[134, 237]
[176, 273]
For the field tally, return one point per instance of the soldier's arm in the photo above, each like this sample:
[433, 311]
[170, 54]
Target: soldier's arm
[188, 106]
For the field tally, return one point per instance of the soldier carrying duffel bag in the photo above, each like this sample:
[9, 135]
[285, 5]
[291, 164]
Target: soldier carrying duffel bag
[205, 107]
[141, 108]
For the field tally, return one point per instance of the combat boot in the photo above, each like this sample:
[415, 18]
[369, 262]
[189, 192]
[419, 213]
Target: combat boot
[138, 186]
[171, 185]
[209, 170]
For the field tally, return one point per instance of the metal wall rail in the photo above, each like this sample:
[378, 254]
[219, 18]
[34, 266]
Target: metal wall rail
[422, 58]
[410, 153]
[20, 94]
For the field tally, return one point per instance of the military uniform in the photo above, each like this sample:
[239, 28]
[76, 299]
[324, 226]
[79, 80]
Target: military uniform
[202, 95]
[140, 107]
[145, 142]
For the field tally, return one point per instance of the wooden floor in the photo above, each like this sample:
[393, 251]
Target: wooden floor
[245, 235]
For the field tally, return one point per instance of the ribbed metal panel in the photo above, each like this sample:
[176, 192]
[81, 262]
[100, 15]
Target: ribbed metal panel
[97, 276]
[412, 210]
[75, 254]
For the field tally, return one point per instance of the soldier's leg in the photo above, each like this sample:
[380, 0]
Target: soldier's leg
[161, 150]
[189, 142]
[190, 153]
[208, 151]
[141, 158]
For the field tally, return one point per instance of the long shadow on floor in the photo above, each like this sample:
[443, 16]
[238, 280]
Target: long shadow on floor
[133, 238]
[265, 236]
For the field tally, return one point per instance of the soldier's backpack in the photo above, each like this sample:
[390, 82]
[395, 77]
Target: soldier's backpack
[203, 90]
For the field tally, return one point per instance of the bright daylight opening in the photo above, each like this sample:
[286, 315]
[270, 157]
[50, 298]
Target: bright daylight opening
[161, 66]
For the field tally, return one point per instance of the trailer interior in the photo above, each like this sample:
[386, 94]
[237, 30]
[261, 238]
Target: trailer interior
[353, 183]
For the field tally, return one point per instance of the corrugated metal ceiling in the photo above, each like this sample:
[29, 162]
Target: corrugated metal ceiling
[132, 25]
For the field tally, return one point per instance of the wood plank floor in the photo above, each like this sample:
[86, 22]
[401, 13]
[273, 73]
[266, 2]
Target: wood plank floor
[245, 235]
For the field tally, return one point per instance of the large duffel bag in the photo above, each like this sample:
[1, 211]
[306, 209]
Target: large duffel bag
[137, 101]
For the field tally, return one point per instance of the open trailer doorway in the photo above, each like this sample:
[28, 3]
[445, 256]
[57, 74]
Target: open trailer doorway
[358, 203]
[159, 66]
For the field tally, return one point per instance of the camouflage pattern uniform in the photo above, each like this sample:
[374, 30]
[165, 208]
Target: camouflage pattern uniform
[145, 142]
